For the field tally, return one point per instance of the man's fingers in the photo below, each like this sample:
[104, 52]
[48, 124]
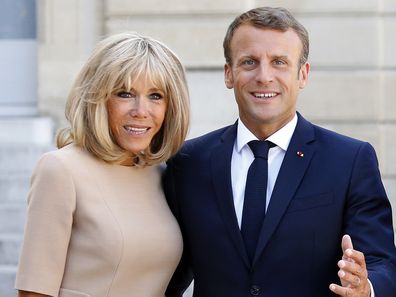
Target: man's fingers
[348, 291]
[353, 268]
[348, 278]
[341, 291]
[353, 256]
[346, 243]
[353, 273]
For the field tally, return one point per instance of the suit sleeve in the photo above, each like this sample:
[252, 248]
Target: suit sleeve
[51, 203]
[368, 219]
[183, 275]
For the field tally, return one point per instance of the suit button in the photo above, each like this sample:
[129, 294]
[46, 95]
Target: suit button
[255, 290]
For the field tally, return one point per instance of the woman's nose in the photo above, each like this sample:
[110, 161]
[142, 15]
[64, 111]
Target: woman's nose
[139, 108]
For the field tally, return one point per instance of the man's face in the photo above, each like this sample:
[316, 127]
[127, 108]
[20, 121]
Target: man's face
[266, 77]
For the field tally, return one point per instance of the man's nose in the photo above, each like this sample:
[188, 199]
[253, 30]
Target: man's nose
[264, 73]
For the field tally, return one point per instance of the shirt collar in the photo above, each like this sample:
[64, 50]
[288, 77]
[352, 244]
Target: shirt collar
[281, 137]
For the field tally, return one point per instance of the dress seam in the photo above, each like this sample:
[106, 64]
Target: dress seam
[115, 271]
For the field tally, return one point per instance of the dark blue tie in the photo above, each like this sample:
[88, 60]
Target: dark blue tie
[255, 195]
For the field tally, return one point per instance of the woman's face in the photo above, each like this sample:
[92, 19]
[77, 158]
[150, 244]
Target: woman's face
[135, 116]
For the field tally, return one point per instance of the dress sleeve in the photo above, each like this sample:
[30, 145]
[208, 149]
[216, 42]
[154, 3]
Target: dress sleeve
[51, 204]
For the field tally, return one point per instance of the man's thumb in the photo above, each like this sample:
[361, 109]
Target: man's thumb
[346, 243]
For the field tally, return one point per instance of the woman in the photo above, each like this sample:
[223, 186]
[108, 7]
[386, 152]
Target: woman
[98, 223]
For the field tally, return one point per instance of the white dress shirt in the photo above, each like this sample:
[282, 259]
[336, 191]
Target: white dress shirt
[242, 158]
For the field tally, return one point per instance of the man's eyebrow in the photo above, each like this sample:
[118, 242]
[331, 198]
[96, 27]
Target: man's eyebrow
[250, 56]
[284, 57]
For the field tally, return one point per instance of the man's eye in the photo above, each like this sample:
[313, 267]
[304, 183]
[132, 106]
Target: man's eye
[249, 62]
[124, 94]
[279, 62]
[156, 96]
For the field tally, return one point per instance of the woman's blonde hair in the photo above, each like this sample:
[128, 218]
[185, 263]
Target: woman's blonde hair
[115, 64]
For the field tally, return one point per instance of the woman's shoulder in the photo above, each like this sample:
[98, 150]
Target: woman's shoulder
[70, 152]
[68, 157]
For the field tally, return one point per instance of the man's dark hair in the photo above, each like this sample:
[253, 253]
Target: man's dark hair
[268, 18]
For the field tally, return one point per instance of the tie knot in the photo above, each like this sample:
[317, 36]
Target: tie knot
[260, 148]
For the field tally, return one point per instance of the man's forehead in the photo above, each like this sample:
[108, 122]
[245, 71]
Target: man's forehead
[253, 41]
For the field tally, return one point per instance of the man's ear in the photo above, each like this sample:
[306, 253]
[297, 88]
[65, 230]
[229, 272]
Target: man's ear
[229, 82]
[303, 75]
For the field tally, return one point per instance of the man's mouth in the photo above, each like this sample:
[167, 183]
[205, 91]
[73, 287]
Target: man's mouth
[264, 95]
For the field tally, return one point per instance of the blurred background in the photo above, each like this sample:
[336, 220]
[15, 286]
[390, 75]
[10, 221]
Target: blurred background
[44, 43]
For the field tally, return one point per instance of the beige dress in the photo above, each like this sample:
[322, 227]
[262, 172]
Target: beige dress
[97, 230]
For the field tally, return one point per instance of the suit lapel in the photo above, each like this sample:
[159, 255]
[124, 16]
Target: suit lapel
[221, 173]
[294, 165]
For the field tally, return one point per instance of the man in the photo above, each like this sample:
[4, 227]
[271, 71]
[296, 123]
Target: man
[325, 224]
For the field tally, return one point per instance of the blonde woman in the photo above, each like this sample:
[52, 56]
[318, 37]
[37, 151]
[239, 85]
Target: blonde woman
[98, 223]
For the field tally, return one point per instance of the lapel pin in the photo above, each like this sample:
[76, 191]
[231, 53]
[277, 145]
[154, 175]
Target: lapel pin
[300, 154]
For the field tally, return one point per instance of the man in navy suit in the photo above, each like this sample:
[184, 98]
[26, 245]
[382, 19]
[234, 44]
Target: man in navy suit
[327, 228]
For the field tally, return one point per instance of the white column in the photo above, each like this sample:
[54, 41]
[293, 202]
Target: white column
[19, 121]
[18, 59]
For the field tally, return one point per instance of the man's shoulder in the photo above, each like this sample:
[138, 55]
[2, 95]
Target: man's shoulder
[330, 136]
[324, 134]
[335, 143]
[205, 141]
[198, 150]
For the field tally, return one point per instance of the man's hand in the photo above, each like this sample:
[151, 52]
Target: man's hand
[352, 273]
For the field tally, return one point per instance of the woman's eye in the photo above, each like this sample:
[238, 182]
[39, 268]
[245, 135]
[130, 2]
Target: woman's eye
[156, 96]
[124, 94]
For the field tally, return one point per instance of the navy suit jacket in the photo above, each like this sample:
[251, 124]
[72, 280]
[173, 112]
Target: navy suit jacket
[333, 188]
